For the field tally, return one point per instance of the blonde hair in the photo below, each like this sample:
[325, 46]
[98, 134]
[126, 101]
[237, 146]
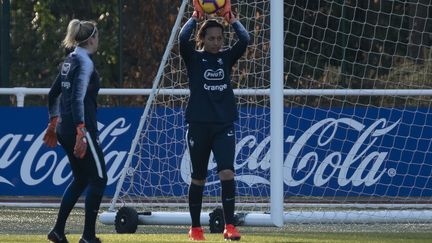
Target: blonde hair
[78, 33]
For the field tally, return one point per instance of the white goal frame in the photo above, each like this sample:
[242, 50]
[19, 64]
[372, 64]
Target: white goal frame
[276, 217]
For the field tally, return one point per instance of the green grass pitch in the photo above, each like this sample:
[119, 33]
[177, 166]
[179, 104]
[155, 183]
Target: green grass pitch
[32, 224]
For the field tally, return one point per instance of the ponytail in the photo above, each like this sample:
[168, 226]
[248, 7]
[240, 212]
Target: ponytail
[78, 33]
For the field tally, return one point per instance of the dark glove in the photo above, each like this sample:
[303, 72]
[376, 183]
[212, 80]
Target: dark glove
[50, 137]
[80, 142]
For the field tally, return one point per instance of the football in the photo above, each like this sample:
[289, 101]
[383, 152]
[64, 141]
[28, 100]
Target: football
[211, 6]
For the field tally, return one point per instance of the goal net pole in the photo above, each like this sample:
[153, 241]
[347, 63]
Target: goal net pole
[276, 111]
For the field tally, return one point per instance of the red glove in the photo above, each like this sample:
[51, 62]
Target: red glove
[50, 137]
[80, 142]
[227, 13]
[198, 11]
[230, 17]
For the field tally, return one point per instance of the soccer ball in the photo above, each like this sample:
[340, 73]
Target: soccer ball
[211, 6]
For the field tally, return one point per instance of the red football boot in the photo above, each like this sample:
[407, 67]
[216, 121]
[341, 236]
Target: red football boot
[231, 233]
[196, 233]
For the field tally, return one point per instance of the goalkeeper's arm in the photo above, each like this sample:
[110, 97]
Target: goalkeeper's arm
[240, 46]
[186, 46]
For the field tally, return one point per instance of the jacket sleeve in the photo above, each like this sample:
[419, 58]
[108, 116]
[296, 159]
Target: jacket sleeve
[54, 98]
[240, 46]
[187, 47]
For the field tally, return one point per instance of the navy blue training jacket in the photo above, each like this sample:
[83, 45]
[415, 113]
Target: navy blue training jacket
[73, 95]
[211, 95]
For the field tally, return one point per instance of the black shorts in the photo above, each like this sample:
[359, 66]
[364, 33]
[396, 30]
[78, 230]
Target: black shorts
[203, 138]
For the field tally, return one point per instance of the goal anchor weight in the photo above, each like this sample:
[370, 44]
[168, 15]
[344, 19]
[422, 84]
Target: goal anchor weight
[126, 220]
[217, 221]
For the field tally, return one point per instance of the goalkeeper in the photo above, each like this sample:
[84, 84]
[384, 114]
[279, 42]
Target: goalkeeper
[72, 112]
[211, 110]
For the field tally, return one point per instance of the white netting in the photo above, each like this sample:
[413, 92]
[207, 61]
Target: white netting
[345, 150]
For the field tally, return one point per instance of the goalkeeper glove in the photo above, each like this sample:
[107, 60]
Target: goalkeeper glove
[50, 137]
[226, 12]
[80, 142]
[230, 17]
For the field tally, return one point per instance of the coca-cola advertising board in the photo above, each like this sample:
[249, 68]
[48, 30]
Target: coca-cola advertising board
[327, 152]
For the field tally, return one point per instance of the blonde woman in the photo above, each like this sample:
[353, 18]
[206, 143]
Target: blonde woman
[72, 113]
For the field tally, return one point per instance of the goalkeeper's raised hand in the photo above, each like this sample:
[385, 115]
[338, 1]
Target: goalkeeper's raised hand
[198, 11]
[80, 142]
[50, 137]
[227, 13]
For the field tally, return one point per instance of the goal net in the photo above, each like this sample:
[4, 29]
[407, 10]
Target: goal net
[357, 117]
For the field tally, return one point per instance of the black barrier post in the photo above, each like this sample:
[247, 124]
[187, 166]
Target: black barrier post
[120, 38]
[4, 50]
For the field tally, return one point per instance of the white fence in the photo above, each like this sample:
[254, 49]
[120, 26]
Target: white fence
[21, 92]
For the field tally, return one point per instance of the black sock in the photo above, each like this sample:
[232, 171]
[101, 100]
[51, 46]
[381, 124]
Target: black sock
[228, 200]
[70, 197]
[92, 204]
[195, 203]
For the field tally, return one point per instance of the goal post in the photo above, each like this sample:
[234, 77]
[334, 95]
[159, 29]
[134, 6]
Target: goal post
[334, 124]
[276, 111]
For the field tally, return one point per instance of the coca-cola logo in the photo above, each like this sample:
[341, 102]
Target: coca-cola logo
[336, 163]
[38, 159]
[362, 164]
